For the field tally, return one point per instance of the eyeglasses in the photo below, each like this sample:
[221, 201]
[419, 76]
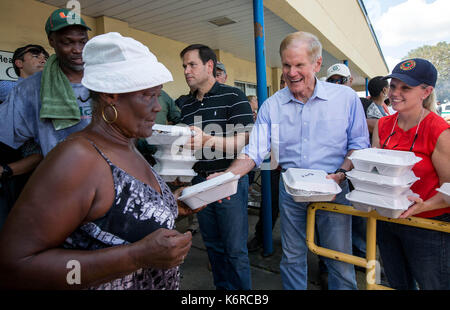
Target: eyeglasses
[389, 138]
[341, 80]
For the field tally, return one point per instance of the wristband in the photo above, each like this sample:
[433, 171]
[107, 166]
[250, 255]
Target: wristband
[343, 171]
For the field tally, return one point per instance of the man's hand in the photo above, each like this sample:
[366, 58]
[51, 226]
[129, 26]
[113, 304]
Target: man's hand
[215, 175]
[337, 177]
[198, 139]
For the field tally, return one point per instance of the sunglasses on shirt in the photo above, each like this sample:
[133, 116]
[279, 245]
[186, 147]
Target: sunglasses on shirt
[393, 133]
[341, 80]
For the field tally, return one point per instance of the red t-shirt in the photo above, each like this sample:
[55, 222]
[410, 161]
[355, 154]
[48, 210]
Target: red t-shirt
[429, 131]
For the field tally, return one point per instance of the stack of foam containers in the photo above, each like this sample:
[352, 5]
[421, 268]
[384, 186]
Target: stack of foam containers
[382, 180]
[445, 191]
[172, 160]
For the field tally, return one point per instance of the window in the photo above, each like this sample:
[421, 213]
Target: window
[249, 89]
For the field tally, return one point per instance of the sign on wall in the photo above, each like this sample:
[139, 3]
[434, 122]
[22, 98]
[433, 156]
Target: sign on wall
[6, 67]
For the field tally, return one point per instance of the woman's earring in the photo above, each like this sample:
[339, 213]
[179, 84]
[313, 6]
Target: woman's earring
[115, 114]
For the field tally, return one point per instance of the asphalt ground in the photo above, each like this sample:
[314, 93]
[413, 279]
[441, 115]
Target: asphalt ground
[265, 271]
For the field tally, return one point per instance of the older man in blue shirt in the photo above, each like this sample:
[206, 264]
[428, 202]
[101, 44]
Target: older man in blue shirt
[315, 125]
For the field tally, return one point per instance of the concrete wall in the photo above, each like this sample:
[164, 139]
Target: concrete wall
[244, 71]
[168, 52]
[340, 27]
[22, 22]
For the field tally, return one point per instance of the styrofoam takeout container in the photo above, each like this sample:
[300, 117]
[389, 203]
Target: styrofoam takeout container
[170, 175]
[170, 161]
[169, 134]
[445, 191]
[309, 185]
[307, 196]
[387, 206]
[173, 130]
[386, 162]
[210, 191]
[382, 184]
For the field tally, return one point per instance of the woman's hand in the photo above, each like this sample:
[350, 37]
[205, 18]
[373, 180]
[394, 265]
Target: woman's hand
[183, 209]
[162, 249]
[416, 208]
[447, 119]
[434, 203]
[177, 183]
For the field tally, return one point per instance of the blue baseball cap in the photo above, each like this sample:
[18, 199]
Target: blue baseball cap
[414, 72]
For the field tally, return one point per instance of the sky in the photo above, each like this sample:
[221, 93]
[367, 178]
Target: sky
[403, 25]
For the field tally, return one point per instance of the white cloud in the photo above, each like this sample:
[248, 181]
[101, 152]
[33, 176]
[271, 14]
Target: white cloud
[414, 21]
[391, 62]
[373, 8]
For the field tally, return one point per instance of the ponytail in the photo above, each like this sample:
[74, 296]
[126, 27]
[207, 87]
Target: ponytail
[429, 103]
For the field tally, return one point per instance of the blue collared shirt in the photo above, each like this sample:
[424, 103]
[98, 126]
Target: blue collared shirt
[312, 135]
[20, 115]
[6, 87]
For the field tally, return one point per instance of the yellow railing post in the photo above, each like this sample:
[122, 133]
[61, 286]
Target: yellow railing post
[371, 253]
[310, 224]
[370, 262]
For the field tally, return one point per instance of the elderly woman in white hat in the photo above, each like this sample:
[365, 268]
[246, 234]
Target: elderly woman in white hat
[95, 214]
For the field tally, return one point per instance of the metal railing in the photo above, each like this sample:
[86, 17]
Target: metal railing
[369, 263]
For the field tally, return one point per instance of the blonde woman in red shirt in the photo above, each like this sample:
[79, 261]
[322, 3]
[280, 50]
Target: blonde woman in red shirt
[413, 255]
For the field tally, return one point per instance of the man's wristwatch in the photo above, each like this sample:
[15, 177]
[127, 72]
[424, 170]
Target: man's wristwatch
[343, 171]
[7, 172]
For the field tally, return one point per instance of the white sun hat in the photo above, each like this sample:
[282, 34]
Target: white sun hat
[115, 64]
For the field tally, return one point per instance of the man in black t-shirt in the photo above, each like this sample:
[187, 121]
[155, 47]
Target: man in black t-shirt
[221, 117]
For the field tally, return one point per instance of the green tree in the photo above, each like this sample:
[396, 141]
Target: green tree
[439, 56]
